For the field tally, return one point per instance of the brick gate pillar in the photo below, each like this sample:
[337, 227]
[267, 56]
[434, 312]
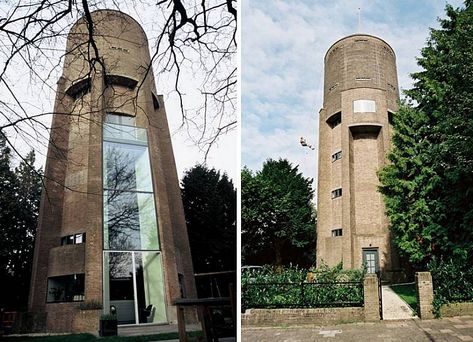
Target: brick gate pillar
[371, 297]
[425, 295]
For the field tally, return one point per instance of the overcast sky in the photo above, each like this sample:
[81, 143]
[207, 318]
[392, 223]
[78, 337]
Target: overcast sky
[38, 97]
[283, 47]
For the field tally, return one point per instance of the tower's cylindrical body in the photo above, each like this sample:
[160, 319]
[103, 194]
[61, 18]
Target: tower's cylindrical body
[111, 226]
[360, 96]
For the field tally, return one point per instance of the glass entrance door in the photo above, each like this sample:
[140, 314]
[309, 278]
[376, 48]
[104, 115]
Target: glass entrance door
[371, 260]
[134, 286]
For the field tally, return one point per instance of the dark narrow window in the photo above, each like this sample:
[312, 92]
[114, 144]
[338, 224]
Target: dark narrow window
[390, 118]
[155, 101]
[336, 156]
[121, 81]
[79, 89]
[337, 232]
[336, 193]
[182, 285]
[68, 288]
[335, 120]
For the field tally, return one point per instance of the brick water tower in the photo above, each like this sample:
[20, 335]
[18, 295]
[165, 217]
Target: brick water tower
[360, 98]
[111, 225]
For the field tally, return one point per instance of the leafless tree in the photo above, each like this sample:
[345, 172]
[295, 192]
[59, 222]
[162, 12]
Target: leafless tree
[190, 39]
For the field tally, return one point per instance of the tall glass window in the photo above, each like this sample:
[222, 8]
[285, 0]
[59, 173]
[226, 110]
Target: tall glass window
[129, 210]
[133, 279]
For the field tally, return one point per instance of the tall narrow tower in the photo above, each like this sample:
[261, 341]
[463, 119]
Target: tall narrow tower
[111, 226]
[360, 96]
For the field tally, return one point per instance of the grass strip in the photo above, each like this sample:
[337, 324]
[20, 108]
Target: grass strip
[408, 293]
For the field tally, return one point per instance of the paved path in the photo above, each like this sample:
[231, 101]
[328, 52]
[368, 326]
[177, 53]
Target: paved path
[394, 307]
[414, 330]
[163, 328]
[151, 329]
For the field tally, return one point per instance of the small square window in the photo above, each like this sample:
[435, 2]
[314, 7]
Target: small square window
[79, 238]
[337, 232]
[336, 156]
[336, 193]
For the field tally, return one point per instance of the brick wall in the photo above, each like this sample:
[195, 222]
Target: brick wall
[271, 317]
[456, 309]
[86, 321]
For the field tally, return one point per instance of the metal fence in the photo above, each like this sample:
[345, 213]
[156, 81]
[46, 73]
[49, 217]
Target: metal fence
[302, 295]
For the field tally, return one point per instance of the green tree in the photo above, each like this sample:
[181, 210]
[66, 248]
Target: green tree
[20, 191]
[209, 200]
[277, 216]
[428, 186]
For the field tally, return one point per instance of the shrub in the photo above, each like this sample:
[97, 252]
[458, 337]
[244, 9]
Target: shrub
[452, 282]
[108, 317]
[90, 305]
[272, 287]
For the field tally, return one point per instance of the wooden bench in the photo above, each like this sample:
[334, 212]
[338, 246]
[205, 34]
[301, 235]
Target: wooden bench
[204, 305]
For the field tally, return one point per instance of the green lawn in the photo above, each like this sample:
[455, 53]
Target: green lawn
[408, 293]
[90, 337]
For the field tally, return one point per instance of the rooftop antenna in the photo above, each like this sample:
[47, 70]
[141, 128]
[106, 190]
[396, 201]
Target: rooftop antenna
[359, 19]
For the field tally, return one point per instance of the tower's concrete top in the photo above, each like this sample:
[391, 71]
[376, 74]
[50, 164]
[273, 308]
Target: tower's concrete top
[354, 37]
[106, 13]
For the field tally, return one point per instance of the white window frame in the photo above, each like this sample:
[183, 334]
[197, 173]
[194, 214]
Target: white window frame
[364, 106]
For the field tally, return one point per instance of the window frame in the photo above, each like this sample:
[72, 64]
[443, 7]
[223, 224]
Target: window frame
[336, 193]
[336, 156]
[81, 283]
[120, 117]
[72, 238]
[364, 106]
[335, 120]
[337, 232]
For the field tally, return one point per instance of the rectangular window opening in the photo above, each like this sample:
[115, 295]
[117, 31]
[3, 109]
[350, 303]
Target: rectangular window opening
[155, 102]
[120, 119]
[337, 232]
[73, 239]
[364, 106]
[336, 193]
[390, 118]
[68, 288]
[336, 156]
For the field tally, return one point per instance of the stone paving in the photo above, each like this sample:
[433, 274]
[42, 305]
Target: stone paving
[150, 329]
[394, 307]
[446, 329]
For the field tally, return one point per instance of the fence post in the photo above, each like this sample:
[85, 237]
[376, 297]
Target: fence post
[425, 295]
[302, 294]
[371, 297]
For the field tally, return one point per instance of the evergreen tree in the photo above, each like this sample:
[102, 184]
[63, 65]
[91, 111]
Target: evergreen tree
[278, 219]
[209, 200]
[428, 186]
[20, 191]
